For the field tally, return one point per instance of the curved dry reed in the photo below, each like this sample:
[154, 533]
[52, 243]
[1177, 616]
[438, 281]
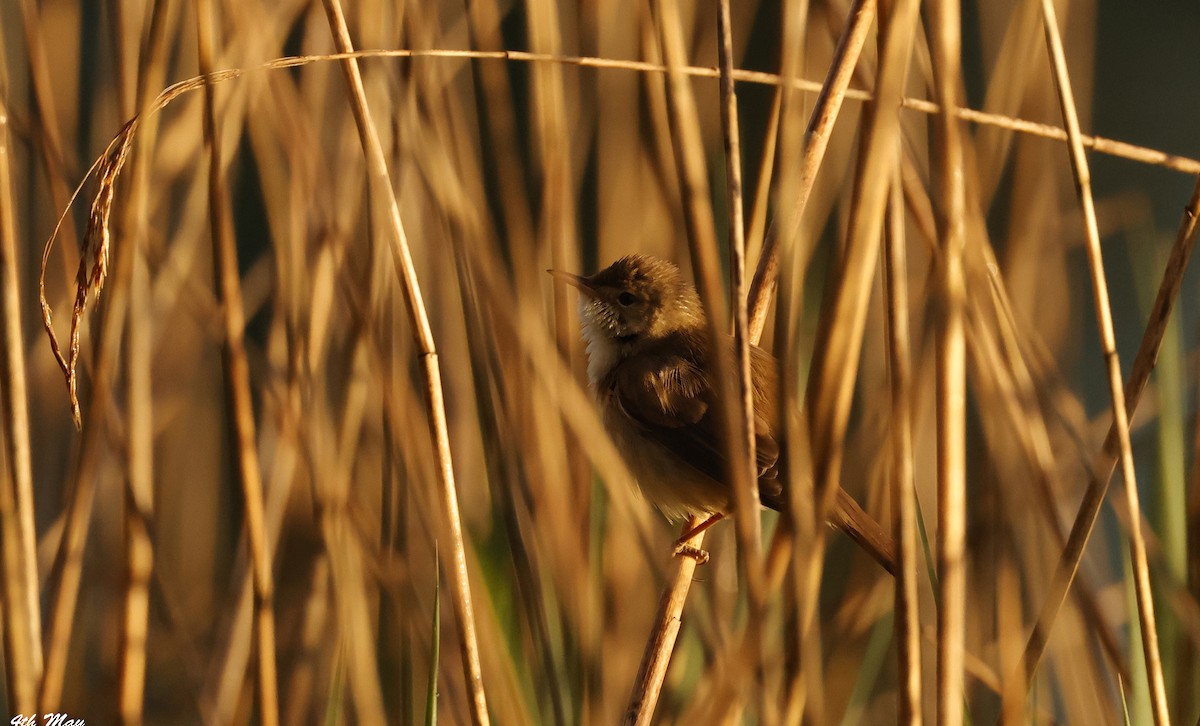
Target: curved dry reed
[110, 164]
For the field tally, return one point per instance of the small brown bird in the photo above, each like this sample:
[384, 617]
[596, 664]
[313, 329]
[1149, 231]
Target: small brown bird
[649, 368]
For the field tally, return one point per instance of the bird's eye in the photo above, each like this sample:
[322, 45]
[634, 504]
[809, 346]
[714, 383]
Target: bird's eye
[626, 299]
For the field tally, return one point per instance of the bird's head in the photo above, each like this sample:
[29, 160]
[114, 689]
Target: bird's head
[635, 299]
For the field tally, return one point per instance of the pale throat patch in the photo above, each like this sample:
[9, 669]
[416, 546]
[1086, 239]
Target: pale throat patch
[602, 353]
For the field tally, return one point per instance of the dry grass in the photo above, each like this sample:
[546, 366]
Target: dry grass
[327, 372]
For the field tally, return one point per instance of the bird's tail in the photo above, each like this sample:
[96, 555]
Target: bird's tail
[855, 522]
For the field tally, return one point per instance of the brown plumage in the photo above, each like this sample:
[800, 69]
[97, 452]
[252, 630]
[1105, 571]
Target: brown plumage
[649, 365]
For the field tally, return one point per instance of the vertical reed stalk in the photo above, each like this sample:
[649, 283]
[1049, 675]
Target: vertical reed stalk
[839, 344]
[139, 493]
[657, 655]
[237, 383]
[690, 164]
[904, 514]
[746, 500]
[67, 570]
[816, 141]
[22, 614]
[1102, 469]
[1137, 544]
[381, 188]
[43, 91]
[556, 228]
[1188, 671]
[951, 370]
[748, 525]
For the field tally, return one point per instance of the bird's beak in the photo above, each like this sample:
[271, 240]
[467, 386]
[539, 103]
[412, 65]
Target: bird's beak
[584, 284]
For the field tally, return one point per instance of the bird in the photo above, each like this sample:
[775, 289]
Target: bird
[650, 369]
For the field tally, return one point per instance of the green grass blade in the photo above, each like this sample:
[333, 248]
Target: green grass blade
[435, 652]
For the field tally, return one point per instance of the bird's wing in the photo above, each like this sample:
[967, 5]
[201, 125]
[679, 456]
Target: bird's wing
[672, 402]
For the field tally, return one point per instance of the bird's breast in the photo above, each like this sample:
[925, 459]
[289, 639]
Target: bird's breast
[677, 489]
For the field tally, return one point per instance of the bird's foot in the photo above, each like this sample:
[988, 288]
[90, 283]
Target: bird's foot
[693, 529]
[685, 550]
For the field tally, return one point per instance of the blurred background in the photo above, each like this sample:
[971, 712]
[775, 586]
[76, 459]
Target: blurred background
[504, 168]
